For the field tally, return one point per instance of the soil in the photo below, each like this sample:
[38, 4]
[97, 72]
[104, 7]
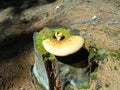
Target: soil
[97, 21]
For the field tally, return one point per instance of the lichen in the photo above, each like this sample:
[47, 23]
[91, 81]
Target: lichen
[46, 33]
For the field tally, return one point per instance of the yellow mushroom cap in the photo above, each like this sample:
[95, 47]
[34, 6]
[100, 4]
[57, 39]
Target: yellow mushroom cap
[63, 47]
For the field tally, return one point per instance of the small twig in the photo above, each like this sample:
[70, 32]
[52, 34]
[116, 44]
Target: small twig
[112, 11]
[33, 85]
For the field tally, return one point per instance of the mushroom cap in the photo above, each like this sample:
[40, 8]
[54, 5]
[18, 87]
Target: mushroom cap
[63, 47]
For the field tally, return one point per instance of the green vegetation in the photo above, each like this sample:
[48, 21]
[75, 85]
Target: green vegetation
[93, 76]
[115, 68]
[90, 42]
[68, 87]
[85, 85]
[46, 33]
[116, 53]
[88, 1]
[117, 34]
[19, 66]
[107, 85]
[118, 4]
[97, 54]
[40, 37]
[101, 53]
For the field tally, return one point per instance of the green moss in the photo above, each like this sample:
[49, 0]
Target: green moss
[42, 35]
[46, 33]
[48, 56]
[85, 85]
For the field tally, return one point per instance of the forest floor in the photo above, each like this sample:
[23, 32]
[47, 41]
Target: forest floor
[97, 21]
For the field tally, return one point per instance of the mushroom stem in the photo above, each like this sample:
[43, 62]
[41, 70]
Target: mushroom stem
[58, 36]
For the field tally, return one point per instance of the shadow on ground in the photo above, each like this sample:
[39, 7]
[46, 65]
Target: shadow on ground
[15, 45]
[21, 5]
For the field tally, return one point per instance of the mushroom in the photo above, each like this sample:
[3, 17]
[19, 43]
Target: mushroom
[63, 47]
